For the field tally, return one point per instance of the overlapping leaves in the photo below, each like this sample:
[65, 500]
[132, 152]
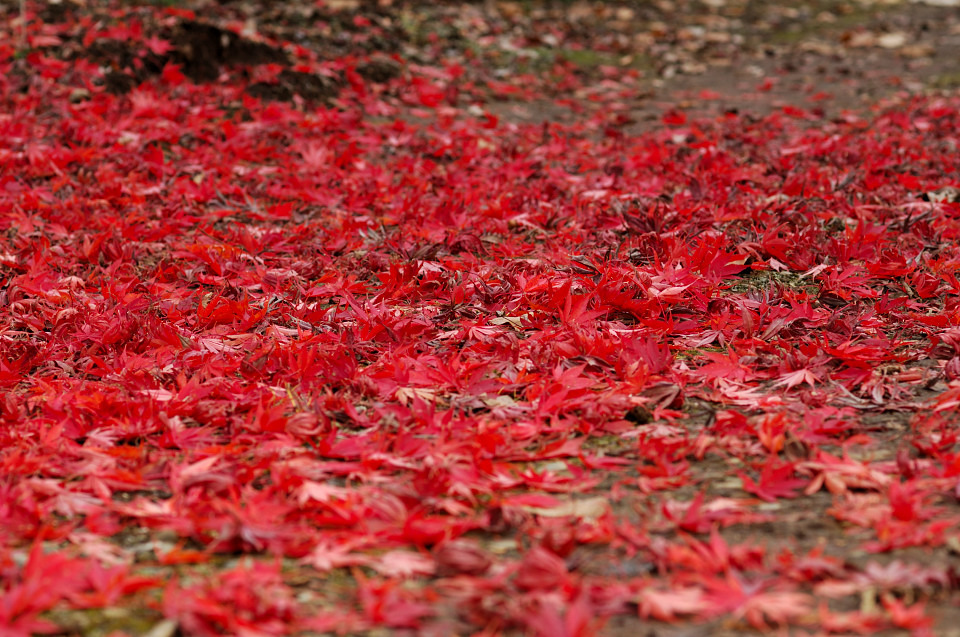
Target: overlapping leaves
[446, 372]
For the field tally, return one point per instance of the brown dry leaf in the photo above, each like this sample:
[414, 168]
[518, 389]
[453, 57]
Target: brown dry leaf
[947, 194]
[795, 449]
[953, 543]
[500, 400]
[512, 11]
[893, 40]
[860, 39]
[516, 322]
[342, 5]
[588, 508]
[916, 51]
[405, 395]
[164, 628]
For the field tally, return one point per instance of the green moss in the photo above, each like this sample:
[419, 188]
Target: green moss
[608, 444]
[948, 80]
[99, 622]
[845, 17]
[694, 353]
[759, 280]
[589, 59]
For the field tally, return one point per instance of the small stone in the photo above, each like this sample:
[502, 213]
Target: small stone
[79, 95]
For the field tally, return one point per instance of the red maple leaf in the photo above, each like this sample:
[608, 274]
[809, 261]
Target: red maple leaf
[777, 480]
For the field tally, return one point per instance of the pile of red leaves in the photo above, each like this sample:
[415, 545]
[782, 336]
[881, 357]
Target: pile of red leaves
[367, 360]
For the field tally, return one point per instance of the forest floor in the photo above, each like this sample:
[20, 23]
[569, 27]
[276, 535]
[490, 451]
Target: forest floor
[488, 318]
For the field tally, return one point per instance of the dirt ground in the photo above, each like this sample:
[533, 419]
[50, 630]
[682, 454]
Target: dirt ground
[700, 58]
[755, 57]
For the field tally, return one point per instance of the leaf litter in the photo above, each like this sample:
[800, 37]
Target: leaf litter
[298, 344]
